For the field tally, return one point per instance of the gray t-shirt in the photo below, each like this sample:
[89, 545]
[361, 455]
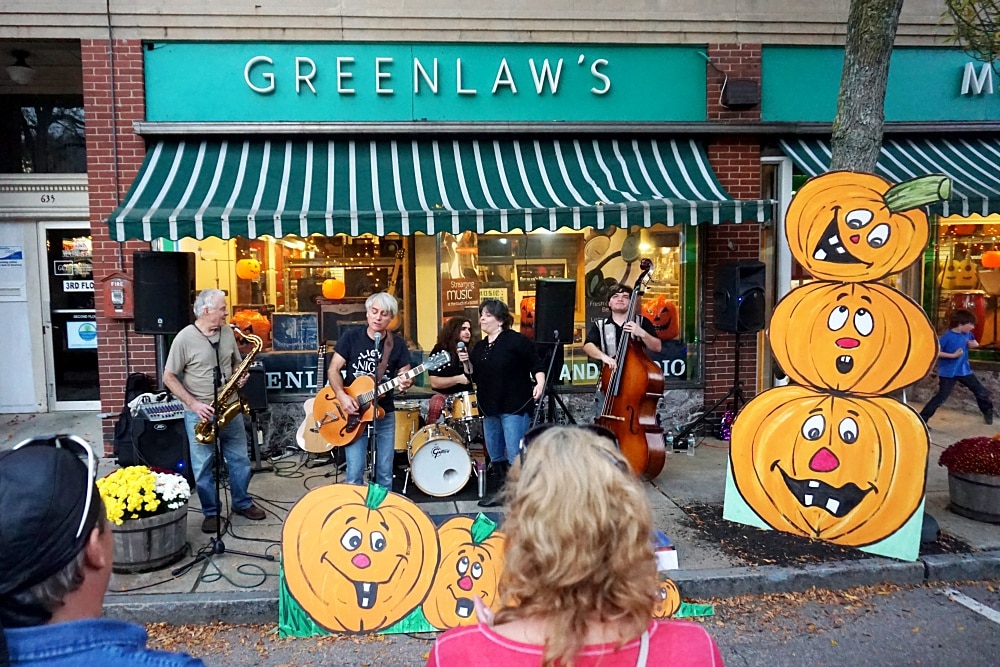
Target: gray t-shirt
[192, 359]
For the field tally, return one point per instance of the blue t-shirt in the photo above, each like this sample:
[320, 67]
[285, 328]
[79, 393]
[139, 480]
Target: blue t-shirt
[951, 342]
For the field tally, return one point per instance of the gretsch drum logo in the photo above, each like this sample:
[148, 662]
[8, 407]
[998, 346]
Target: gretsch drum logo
[439, 451]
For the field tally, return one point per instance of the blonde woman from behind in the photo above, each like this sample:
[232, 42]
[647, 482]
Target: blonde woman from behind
[579, 571]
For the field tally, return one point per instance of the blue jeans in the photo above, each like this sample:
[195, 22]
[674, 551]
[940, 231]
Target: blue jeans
[503, 435]
[233, 440]
[355, 453]
[971, 382]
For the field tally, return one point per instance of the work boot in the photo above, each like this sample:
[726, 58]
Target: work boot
[496, 475]
[988, 418]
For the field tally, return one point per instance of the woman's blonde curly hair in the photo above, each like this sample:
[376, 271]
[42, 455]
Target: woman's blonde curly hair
[579, 546]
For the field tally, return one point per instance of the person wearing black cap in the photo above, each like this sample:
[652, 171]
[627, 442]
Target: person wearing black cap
[57, 554]
[602, 339]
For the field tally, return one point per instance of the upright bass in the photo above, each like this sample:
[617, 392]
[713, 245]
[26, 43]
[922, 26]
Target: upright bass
[631, 393]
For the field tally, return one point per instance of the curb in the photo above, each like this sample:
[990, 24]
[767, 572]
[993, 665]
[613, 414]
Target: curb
[262, 606]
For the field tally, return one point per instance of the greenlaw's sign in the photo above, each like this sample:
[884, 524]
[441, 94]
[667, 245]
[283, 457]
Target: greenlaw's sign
[369, 82]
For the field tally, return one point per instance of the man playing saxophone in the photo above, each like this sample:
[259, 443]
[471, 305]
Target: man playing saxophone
[200, 367]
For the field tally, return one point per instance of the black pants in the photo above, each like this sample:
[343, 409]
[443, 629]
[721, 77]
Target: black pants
[972, 383]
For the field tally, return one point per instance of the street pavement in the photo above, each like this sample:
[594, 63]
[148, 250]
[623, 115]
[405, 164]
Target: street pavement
[243, 589]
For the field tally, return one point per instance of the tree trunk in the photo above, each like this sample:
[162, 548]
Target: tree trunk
[857, 129]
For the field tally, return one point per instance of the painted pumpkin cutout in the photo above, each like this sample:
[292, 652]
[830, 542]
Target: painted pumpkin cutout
[358, 559]
[668, 599]
[528, 316]
[856, 227]
[471, 563]
[848, 470]
[863, 338]
[663, 314]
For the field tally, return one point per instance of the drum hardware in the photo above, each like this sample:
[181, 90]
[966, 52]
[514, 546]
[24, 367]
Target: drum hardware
[407, 423]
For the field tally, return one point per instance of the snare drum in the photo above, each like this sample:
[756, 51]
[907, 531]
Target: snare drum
[407, 423]
[465, 406]
[439, 462]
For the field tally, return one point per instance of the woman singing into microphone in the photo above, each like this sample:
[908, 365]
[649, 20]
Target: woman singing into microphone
[452, 379]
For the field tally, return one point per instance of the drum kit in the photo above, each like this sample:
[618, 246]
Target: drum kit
[443, 456]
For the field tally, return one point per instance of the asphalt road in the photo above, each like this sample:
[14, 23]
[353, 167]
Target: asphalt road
[876, 625]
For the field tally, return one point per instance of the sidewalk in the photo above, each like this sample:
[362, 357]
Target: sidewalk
[241, 589]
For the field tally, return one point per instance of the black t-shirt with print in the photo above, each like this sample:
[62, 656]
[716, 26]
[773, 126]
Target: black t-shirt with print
[358, 349]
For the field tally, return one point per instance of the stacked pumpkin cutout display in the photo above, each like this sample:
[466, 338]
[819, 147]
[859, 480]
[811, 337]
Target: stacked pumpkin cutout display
[833, 457]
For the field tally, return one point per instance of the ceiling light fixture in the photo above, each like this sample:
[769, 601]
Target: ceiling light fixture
[20, 72]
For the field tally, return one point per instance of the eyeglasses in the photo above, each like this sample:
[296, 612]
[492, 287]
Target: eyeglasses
[81, 448]
[600, 431]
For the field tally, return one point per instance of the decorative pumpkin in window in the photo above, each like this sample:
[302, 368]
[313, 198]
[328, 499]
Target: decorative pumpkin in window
[856, 227]
[844, 469]
[528, 316]
[358, 559]
[251, 321]
[471, 562]
[334, 289]
[663, 314]
[248, 269]
[863, 338]
[991, 259]
[668, 599]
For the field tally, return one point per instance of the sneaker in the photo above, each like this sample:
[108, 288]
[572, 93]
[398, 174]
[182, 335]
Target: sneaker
[252, 512]
[988, 418]
[210, 524]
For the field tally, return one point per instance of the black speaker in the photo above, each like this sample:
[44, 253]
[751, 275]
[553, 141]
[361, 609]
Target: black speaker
[555, 303]
[161, 444]
[255, 390]
[164, 289]
[739, 297]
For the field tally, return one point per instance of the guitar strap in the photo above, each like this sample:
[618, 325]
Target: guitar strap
[386, 353]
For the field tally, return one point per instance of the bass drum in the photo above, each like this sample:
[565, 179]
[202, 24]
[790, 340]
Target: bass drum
[439, 463]
[407, 423]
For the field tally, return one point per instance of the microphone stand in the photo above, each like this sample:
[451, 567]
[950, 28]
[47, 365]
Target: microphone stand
[372, 427]
[215, 544]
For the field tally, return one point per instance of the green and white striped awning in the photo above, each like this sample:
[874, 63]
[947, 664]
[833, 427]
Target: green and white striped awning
[252, 187]
[972, 164]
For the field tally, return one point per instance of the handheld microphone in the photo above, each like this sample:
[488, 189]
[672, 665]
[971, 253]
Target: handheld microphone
[460, 345]
[466, 366]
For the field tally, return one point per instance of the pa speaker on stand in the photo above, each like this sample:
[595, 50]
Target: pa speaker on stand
[740, 306]
[555, 303]
[163, 290]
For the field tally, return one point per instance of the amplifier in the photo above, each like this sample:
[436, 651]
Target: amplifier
[160, 444]
[162, 410]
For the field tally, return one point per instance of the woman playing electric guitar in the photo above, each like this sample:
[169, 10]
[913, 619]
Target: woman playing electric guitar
[366, 351]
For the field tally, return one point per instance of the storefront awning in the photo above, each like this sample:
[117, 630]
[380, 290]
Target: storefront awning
[228, 188]
[972, 164]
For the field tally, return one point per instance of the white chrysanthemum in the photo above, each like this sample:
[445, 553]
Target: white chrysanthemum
[173, 489]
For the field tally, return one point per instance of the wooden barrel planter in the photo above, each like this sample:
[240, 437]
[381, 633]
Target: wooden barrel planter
[148, 544]
[975, 496]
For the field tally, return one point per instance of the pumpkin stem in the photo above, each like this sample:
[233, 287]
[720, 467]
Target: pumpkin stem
[376, 494]
[482, 528]
[917, 192]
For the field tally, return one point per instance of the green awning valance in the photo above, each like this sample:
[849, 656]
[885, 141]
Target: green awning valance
[972, 164]
[227, 187]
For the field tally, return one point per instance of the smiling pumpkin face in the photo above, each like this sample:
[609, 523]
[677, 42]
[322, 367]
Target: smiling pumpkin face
[847, 226]
[863, 338]
[471, 563]
[845, 470]
[668, 599]
[357, 559]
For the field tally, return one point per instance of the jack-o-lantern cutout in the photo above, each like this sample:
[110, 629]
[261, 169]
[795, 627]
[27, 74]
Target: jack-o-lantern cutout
[471, 562]
[663, 314]
[248, 269]
[844, 469]
[528, 316]
[855, 227]
[668, 599]
[863, 338]
[358, 559]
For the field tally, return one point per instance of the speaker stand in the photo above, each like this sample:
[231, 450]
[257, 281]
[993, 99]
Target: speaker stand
[161, 357]
[257, 442]
[550, 393]
[735, 392]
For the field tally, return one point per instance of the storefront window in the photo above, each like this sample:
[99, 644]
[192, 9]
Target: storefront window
[42, 135]
[299, 294]
[962, 271]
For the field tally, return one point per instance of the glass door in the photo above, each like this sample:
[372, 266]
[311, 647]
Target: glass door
[70, 318]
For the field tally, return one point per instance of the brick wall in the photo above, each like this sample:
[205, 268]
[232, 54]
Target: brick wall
[114, 155]
[736, 161]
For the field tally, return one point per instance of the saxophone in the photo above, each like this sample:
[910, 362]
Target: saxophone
[206, 431]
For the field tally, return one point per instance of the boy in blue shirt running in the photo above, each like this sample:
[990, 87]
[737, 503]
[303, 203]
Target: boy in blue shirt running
[953, 366]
